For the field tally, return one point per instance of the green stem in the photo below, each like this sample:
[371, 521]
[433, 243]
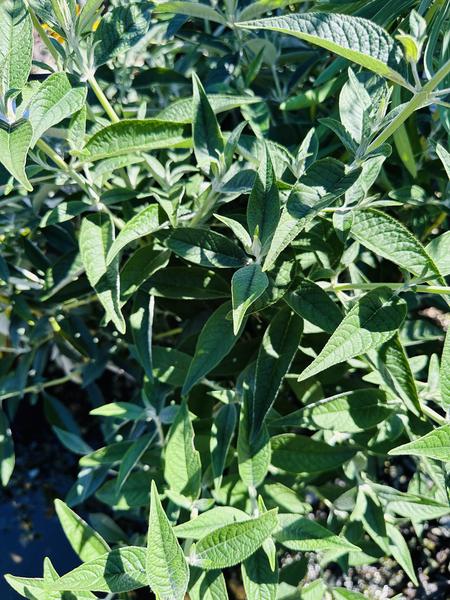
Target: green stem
[109, 110]
[44, 37]
[425, 289]
[38, 387]
[433, 415]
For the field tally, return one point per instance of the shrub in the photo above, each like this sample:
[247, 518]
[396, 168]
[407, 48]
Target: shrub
[240, 218]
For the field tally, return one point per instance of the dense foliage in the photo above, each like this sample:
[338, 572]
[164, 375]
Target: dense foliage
[238, 212]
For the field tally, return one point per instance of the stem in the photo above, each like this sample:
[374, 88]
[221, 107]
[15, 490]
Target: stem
[437, 78]
[43, 35]
[38, 387]
[433, 415]
[425, 289]
[109, 110]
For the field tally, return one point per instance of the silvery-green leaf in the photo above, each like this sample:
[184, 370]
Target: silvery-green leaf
[435, 444]
[312, 303]
[15, 142]
[141, 324]
[300, 454]
[86, 542]
[182, 111]
[183, 469]
[222, 432]
[302, 534]
[400, 551]
[208, 521]
[260, 580]
[206, 134]
[278, 348]
[166, 566]
[253, 455]
[131, 458]
[207, 585]
[356, 39]
[142, 224]
[191, 9]
[372, 321]
[54, 101]
[206, 248]
[135, 135]
[445, 372]
[96, 238]
[119, 30]
[247, 285]
[16, 45]
[439, 251]
[124, 410]
[231, 544]
[348, 412]
[7, 458]
[390, 239]
[444, 155]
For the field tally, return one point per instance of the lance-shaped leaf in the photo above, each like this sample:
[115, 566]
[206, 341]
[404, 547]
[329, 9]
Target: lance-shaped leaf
[263, 208]
[209, 521]
[7, 457]
[400, 551]
[54, 101]
[445, 372]
[348, 412]
[183, 469]
[356, 39]
[439, 250]
[142, 224]
[15, 142]
[390, 239]
[260, 580]
[302, 534]
[253, 455]
[323, 183]
[278, 348]
[191, 9]
[312, 303]
[301, 454]
[86, 542]
[247, 285]
[222, 432]
[16, 45]
[141, 322]
[96, 237]
[188, 283]
[131, 458]
[135, 135]
[215, 341]
[119, 30]
[373, 320]
[182, 111]
[167, 569]
[231, 544]
[435, 444]
[207, 585]
[206, 248]
[121, 570]
[206, 134]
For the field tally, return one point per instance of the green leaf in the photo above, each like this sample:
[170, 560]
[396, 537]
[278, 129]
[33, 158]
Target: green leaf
[183, 469]
[119, 30]
[301, 454]
[207, 585]
[444, 155]
[356, 39]
[312, 303]
[170, 365]
[87, 543]
[400, 551]
[121, 570]
[135, 135]
[348, 412]
[215, 341]
[141, 265]
[209, 521]
[390, 239]
[15, 142]
[142, 224]
[445, 372]
[7, 458]
[124, 410]
[182, 111]
[107, 455]
[167, 569]
[263, 208]
[206, 134]
[344, 594]
[16, 45]
[191, 9]
[439, 250]
[188, 283]
[131, 458]
[141, 323]
[260, 580]
[276, 353]
[322, 184]
[247, 285]
[231, 544]
[373, 320]
[222, 432]
[253, 456]
[435, 444]
[302, 534]
[54, 101]
[206, 248]
[96, 238]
